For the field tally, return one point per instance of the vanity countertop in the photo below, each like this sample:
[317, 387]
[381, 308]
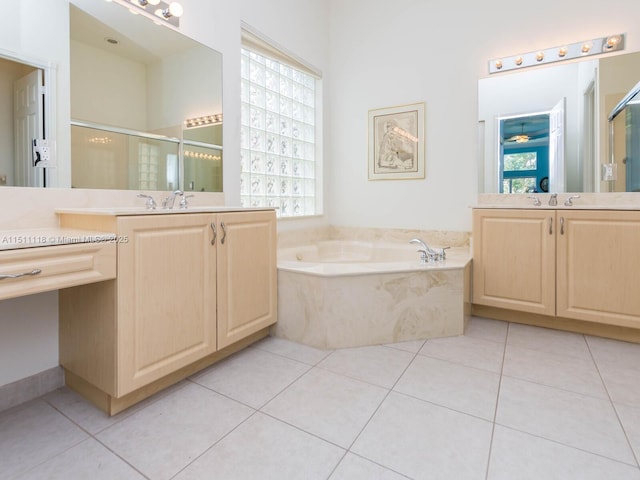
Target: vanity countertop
[118, 211]
[44, 237]
[581, 201]
[560, 206]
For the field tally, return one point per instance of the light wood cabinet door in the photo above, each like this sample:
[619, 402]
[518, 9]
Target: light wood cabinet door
[599, 266]
[514, 259]
[166, 296]
[247, 274]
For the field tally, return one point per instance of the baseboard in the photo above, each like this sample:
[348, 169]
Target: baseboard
[567, 324]
[29, 388]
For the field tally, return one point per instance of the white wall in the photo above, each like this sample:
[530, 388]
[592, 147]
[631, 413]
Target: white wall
[106, 88]
[386, 54]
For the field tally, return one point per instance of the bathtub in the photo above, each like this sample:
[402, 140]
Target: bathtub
[347, 293]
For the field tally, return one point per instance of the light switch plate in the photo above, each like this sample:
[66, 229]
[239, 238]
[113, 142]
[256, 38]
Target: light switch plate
[609, 172]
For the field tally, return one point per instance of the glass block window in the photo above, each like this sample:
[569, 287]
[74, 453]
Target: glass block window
[147, 166]
[278, 136]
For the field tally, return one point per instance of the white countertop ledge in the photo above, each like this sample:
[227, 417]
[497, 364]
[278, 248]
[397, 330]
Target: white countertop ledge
[46, 237]
[118, 211]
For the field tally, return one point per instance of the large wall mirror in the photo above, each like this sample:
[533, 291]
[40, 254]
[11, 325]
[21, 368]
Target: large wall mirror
[134, 84]
[546, 129]
[134, 87]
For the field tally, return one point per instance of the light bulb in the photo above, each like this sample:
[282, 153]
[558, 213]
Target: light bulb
[175, 9]
[540, 56]
[613, 41]
[562, 52]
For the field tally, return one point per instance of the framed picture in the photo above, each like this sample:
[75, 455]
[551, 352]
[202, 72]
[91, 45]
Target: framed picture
[396, 142]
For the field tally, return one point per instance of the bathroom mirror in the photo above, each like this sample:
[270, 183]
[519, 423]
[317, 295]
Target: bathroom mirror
[575, 98]
[167, 78]
[134, 85]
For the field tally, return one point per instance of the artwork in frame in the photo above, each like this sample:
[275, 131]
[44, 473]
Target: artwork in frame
[396, 142]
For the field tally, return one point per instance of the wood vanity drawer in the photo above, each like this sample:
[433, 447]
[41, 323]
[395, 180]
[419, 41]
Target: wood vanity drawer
[54, 267]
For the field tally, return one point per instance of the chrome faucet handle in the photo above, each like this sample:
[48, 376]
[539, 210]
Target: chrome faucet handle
[569, 201]
[536, 200]
[553, 200]
[424, 256]
[150, 203]
[184, 201]
[168, 202]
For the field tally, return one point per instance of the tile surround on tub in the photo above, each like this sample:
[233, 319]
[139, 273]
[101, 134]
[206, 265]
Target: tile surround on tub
[338, 312]
[292, 238]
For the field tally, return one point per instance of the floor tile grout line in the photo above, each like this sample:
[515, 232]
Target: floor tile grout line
[495, 410]
[415, 355]
[613, 405]
[215, 443]
[555, 387]
[573, 447]
[93, 435]
[329, 352]
[486, 370]
[369, 460]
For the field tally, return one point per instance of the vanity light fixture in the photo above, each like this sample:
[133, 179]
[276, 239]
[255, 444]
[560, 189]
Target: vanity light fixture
[206, 120]
[202, 156]
[157, 10]
[597, 46]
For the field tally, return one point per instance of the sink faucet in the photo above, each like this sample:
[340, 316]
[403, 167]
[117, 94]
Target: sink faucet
[553, 200]
[168, 202]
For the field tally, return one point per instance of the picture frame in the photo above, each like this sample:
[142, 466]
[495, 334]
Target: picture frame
[397, 142]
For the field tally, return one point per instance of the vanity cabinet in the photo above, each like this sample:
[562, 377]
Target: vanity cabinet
[598, 272]
[190, 289]
[514, 259]
[571, 264]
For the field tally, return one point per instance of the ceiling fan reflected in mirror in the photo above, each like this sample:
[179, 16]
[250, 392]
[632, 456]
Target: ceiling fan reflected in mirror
[521, 138]
[525, 134]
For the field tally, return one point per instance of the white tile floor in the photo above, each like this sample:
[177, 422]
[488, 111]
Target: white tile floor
[505, 401]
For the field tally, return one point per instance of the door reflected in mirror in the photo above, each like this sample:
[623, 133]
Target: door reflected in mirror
[524, 154]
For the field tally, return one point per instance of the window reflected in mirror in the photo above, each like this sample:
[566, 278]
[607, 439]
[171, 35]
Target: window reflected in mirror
[104, 159]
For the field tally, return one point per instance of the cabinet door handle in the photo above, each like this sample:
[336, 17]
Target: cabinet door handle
[550, 225]
[215, 233]
[561, 225]
[224, 233]
[32, 273]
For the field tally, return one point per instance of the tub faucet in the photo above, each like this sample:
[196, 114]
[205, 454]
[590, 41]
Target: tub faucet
[428, 254]
[168, 202]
